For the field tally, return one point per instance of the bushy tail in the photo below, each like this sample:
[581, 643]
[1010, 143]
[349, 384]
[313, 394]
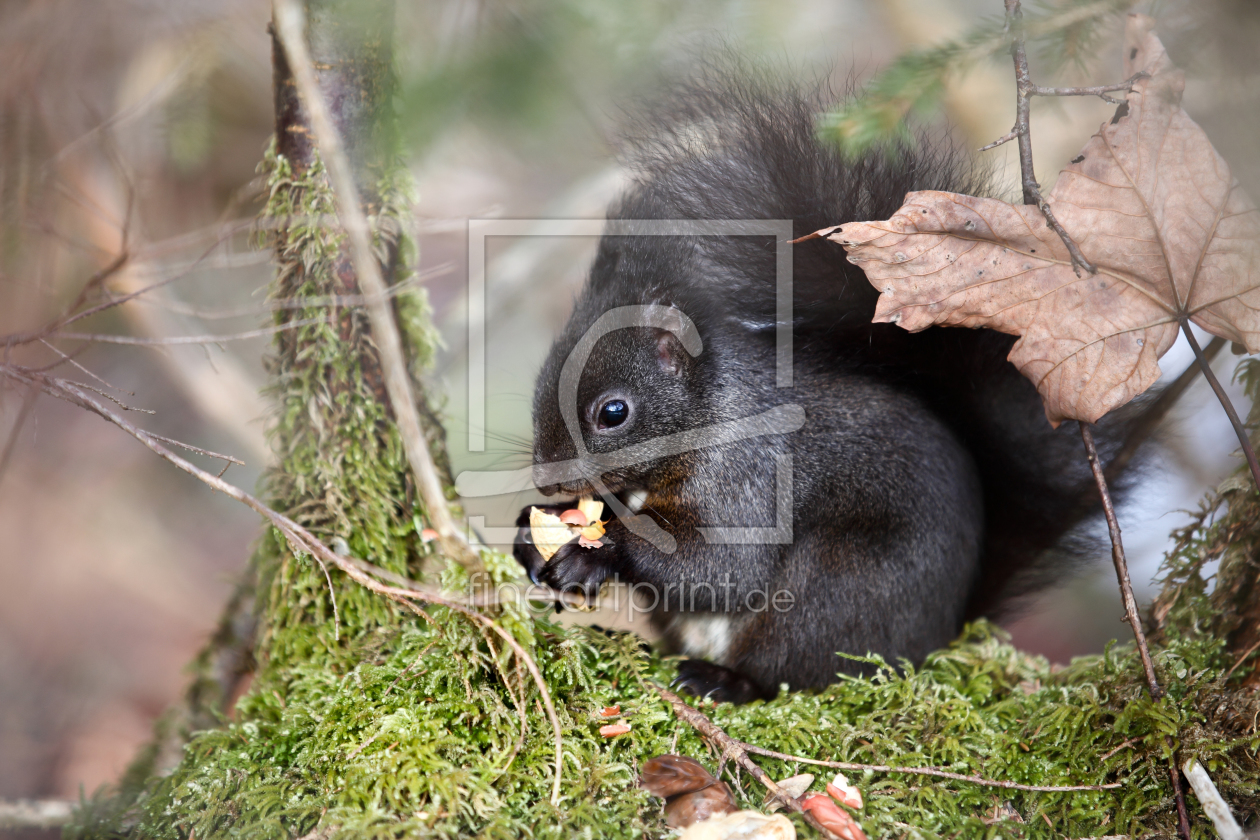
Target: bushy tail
[734, 145]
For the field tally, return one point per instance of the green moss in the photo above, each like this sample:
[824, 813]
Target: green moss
[419, 738]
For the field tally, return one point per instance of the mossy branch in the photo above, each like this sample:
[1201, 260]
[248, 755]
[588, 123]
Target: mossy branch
[290, 25]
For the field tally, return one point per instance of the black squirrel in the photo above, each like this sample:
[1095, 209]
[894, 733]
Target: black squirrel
[926, 485]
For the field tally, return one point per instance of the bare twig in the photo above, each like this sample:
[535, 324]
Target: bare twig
[1123, 746]
[189, 339]
[70, 360]
[1183, 816]
[211, 453]
[1239, 429]
[534, 592]
[1100, 91]
[71, 314]
[313, 302]
[925, 771]
[1005, 138]
[301, 540]
[290, 23]
[735, 750]
[28, 402]
[1117, 558]
[1240, 661]
[1024, 92]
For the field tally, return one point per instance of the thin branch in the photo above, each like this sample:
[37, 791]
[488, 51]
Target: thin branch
[1123, 746]
[1005, 138]
[97, 279]
[190, 339]
[925, 771]
[1100, 91]
[1239, 429]
[70, 360]
[111, 398]
[1032, 195]
[28, 402]
[299, 539]
[534, 592]
[1117, 558]
[1024, 91]
[732, 749]
[313, 302]
[1240, 661]
[289, 24]
[198, 449]
[70, 315]
[1183, 816]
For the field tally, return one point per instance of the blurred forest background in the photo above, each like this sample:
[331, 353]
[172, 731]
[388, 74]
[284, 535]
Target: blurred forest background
[135, 126]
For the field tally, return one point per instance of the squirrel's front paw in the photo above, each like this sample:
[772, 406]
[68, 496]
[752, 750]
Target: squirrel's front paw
[578, 570]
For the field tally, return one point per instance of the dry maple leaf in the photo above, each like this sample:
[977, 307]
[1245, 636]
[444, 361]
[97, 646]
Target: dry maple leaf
[1149, 201]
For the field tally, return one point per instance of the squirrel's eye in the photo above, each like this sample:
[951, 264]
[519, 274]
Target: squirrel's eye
[613, 413]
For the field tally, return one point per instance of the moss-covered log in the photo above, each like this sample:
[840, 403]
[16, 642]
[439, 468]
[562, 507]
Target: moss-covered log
[363, 719]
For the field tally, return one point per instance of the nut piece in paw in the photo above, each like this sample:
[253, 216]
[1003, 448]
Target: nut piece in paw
[719, 683]
[523, 549]
[548, 531]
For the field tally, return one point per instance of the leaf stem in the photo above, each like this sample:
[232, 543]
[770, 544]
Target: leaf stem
[1155, 413]
[1239, 429]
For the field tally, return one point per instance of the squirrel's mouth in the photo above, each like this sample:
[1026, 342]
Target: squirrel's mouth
[609, 483]
[618, 485]
[589, 482]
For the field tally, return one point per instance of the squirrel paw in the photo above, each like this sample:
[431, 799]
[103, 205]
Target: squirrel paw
[578, 570]
[723, 685]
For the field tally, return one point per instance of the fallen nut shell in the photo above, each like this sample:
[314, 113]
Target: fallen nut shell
[741, 825]
[689, 808]
[793, 786]
[670, 775]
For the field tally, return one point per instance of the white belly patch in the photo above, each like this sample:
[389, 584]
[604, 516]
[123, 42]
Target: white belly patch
[705, 635]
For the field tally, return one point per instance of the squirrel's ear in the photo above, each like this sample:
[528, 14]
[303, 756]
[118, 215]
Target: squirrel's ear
[670, 352]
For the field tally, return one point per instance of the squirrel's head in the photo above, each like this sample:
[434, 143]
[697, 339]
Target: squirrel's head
[638, 385]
